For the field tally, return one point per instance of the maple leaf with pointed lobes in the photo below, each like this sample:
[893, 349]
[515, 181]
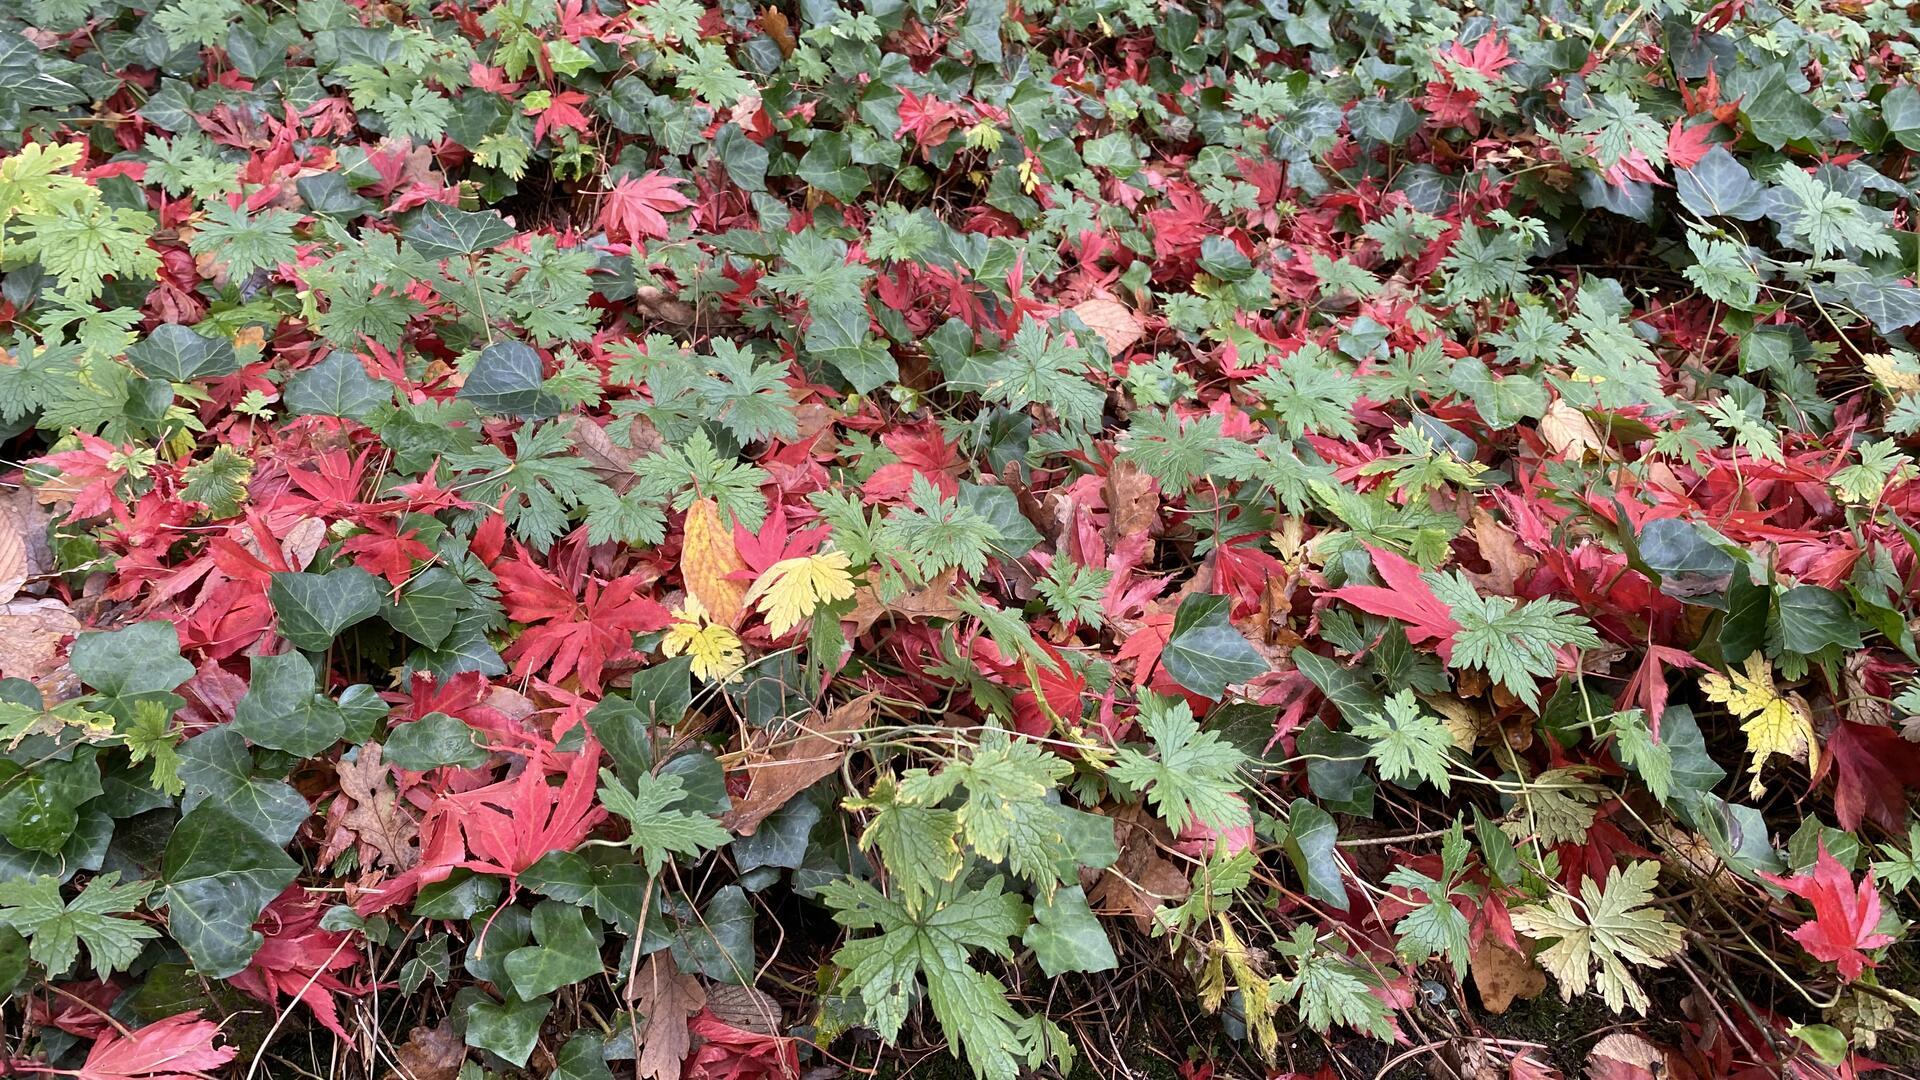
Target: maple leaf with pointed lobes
[1845, 917]
[510, 825]
[177, 1048]
[1407, 598]
[298, 959]
[86, 477]
[561, 111]
[1873, 767]
[579, 635]
[637, 206]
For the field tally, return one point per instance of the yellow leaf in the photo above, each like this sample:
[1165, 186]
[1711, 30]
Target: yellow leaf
[791, 589]
[1774, 724]
[708, 560]
[716, 651]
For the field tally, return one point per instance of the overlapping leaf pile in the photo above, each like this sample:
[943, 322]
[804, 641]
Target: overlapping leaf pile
[693, 541]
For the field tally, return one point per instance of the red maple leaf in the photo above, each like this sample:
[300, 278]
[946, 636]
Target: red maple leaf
[297, 959]
[86, 476]
[177, 1048]
[637, 206]
[922, 451]
[1872, 767]
[730, 1053]
[1844, 916]
[508, 826]
[563, 111]
[383, 550]
[1407, 598]
[573, 634]
[773, 543]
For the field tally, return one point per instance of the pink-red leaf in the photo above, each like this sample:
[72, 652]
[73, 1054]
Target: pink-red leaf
[1845, 916]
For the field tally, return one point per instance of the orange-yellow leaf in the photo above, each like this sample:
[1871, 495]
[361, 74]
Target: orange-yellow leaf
[707, 558]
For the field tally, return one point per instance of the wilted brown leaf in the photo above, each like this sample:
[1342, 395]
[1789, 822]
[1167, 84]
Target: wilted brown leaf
[934, 601]
[1501, 975]
[1117, 326]
[667, 999]
[744, 1007]
[24, 554]
[430, 1053]
[1133, 501]
[797, 765]
[377, 817]
[30, 633]
[1506, 563]
[1142, 880]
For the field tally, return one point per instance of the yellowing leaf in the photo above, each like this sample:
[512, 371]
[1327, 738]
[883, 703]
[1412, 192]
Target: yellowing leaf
[1598, 939]
[716, 652]
[708, 560]
[1774, 724]
[791, 589]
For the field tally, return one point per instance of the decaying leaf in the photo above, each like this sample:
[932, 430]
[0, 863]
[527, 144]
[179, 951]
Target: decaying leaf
[375, 815]
[668, 999]
[1502, 975]
[1118, 328]
[796, 764]
[30, 635]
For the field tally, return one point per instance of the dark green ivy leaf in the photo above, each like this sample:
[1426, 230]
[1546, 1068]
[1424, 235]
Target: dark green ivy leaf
[141, 659]
[1204, 653]
[220, 874]
[177, 354]
[336, 386]
[314, 608]
[505, 380]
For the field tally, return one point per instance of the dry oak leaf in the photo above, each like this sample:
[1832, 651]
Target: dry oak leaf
[799, 764]
[1133, 502]
[934, 601]
[1501, 975]
[377, 817]
[708, 560]
[668, 1000]
[30, 636]
[24, 554]
[1142, 880]
[1117, 326]
[430, 1053]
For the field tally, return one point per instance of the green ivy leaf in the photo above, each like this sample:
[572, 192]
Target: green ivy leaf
[1204, 653]
[314, 608]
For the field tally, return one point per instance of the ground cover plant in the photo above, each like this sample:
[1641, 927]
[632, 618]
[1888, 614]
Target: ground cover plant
[1081, 537]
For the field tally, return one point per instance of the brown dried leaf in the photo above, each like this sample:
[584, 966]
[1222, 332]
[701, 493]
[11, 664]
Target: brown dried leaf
[1568, 432]
[800, 763]
[744, 1007]
[935, 601]
[1501, 975]
[667, 999]
[30, 634]
[430, 1053]
[707, 557]
[1506, 562]
[1133, 502]
[24, 554]
[1625, 1056]
[1112, 321]
[1142, 880]
[377, 817]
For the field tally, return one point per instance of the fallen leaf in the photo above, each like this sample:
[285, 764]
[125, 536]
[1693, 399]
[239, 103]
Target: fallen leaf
[1142, 880]
[1568, 432]
[24, 554]
[1133, 502]
[744, 1007]
[1625, 1056]
[1501, 975]
[1506, 562]
[668, 1000]
[30, 635]
[430, 1053]
[708, 559]
[817, 753]
[1117, 326]
[377, 816]
[934, 601]
[1846, 917]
